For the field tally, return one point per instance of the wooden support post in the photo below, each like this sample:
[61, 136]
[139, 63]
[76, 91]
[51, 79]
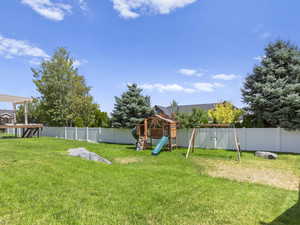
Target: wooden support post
[237, 145]
[26, 112]
[190, 143]
[193, 144]
[145, 128]
[14, 114]
[144, 145]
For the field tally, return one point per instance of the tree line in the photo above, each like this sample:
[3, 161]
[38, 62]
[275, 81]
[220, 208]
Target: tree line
[271, 93]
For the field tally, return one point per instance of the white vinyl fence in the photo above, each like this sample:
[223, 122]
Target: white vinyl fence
[251, 139]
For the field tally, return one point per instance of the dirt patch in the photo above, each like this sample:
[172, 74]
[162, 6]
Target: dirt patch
[128, 160]
[241, 172]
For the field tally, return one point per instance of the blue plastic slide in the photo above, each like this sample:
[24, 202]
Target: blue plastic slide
[162, 142]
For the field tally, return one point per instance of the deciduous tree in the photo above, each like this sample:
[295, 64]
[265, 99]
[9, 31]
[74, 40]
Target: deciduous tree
[191, 120]
[225, 113]
[64, 95]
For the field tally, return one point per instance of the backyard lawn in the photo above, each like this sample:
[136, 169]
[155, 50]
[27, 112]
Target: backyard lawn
[41, 184]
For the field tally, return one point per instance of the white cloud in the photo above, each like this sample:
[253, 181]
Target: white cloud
[196, 87]
[35, 61]
[265, 35]
[167, 87]
[133, 8]
[78, 63]
[218, 85]
[190, 72]
[207, 87]
[83, 5]
[10, 48]
[49, 9]
[261, 32]
[259, 58]
[225, 76]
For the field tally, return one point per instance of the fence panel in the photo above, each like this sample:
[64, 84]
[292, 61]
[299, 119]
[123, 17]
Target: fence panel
[225, 138]
[93, 134]
[251, 139]
[183, 137]
[106, 135]
[123, 136]
[290, 141]
[70, 133]
[207, 138]
[262, 139]
[58, 132]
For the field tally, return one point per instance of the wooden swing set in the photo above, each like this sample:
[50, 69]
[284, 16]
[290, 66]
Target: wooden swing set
[195, 131]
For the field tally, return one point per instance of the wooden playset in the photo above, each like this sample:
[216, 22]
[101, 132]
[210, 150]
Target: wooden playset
[156, 127]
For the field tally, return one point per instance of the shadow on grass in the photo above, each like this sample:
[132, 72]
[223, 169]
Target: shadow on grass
[289, 217]
[131, 148]
[8, 137]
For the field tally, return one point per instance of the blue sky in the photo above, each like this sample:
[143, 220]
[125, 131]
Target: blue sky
[193, 51]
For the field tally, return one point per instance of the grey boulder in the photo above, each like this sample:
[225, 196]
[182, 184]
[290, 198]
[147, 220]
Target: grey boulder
[83, 153]
[266, 155]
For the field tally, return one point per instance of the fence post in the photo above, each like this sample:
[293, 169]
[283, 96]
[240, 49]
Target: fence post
[215, 138]
[87, 134]
[99, 135]
[66, 135]
[245, 138]
[278, 139]
[76, 135]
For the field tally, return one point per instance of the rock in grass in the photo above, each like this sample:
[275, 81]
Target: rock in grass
[83, 153]
[266, 155]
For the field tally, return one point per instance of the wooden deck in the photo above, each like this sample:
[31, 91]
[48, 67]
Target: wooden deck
[5, 126]
[27, 130]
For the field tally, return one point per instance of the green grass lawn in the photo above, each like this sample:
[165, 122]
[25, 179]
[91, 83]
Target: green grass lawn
[41, 184]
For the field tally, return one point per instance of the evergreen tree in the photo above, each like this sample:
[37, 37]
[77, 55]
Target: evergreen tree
[174, 107]
[64, 96]
[131, 108]
[272, 91]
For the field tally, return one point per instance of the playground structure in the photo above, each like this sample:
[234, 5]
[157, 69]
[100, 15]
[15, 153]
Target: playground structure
[191, 146]
[156, 127]
[28, 130]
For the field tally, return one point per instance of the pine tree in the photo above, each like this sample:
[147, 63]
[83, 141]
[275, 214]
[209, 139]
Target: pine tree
[131, 108]
[272, 91]
[174, 107]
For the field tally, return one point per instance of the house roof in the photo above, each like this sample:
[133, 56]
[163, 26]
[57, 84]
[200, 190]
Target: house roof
[185, 108]
[4, 111]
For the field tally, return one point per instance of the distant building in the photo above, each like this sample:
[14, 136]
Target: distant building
[169, 110]
[6, 116]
